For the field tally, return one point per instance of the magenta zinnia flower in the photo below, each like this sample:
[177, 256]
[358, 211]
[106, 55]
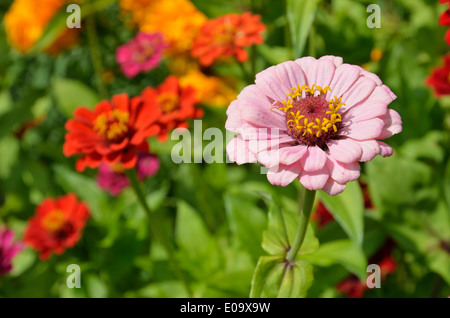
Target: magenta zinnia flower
[113, 179]
[312, 120]
[8, 249]
[141, 54]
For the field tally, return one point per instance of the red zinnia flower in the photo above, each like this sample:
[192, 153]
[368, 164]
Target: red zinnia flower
[440, 78]
[112, 133]
[226, 36]
[57, 225]
[176, 104]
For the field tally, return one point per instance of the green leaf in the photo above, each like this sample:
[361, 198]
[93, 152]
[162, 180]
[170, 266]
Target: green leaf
[447, 185]
[96, 288]
[343, 252]
[348, 210]
[23, 261]
[398, 181]
[191, 233]
[247, 222]
[6, 102]
[273, 277]
[9, 150]
[70, 94]
[296, 281]
[300, 15]
[13, 118]
[281, 232]
[265, 266]
[274, 54]
[85, 188]
[427, 147]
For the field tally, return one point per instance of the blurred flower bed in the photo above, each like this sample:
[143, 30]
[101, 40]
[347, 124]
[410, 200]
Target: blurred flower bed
[86, 169]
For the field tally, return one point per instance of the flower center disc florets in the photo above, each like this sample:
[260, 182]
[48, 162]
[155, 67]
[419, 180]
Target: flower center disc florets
[112, 125]
[310, 118]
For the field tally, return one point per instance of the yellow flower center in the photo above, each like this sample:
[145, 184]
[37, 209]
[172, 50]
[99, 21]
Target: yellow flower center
[112, 125]
[310, 118]
[54, 220]
[167, 102]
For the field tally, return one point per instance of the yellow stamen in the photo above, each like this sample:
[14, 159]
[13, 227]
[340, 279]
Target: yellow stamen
[112, 124]
[53, 221]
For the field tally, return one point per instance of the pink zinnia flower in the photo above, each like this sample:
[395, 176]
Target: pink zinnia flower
[8, 249]
[312, 120]
[113, 179]
[141, 54]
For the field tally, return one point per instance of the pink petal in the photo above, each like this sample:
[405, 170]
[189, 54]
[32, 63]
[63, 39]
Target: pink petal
[291, 154]
[269, 83]
[124, 54]
[305, 63]
[357, 93]
[237, 150]
[284, 174]
[260, 140]
[263, 118]
[320, 73]
[290, 75]
[344, 77]
[332, 187]
[393, 124]
[344, 150]
[365, 111]
[343, 172]
[286, 155]
[385, 150]
[372, 76]
[382, 93]
[370, 149]
[336, 60]
[363, 130]
[314, 180]
[314, 159]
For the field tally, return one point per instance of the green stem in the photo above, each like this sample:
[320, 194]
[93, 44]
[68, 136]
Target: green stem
[155, 227]
[96, 55]
[308, 201]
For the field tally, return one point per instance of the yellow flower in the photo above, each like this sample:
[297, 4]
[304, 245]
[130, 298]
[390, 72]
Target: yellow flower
[136, 8]
[178, 20]
[26, 20]
[210, 90]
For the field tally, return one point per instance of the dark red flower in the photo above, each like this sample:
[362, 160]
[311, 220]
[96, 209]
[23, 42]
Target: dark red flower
[176, 105]
[439, 79]
[322, 215]
[352, 287]
[57, 225]
[444, 19]
[114, 132]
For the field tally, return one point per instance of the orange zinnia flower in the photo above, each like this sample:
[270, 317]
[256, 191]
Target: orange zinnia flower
[57, 225]
[227, 36]
[112, 133]
[176, 103]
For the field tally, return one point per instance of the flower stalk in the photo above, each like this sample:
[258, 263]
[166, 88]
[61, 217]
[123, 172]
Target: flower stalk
[308, 201]
[154, 227]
